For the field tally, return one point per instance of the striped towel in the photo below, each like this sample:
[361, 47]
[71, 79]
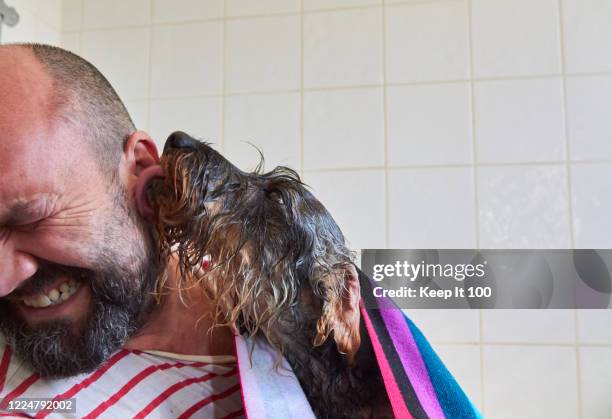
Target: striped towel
[417, 382]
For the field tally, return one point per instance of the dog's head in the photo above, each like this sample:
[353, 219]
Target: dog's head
[260, 244]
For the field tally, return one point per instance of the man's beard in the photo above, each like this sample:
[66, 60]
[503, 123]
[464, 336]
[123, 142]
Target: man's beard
[121, 299]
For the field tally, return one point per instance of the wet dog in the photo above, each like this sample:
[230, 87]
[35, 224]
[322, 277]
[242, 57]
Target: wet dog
[275, 264]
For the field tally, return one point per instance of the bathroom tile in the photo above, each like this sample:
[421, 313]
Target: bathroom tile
[270, 122]
[115, 13]
[587, 35]
[71, 15]
[523, 207]
[24, 31]
[447, 326]
[71, 41]
[139, 112]
[263, 54]
[589, 123]
[515, 37]
[334, 51]
[47, 34]
[200, 118]
[595, 382]
[187, 60]
[427, 41]
[32, 6]
[343, 129]
[530, 382]
[594, 326]
[519, 121]
[261, 7]
[167, 11]
[592, 205]
[50, 12]
[122, 55]
[431, 208]
[336, 4]
[528, 326]
[356, 200]
[463, 362]
[429, 124]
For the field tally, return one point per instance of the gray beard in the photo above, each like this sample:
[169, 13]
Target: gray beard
[121, 304]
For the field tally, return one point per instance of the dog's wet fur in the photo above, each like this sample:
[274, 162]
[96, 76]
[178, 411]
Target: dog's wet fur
[274, 262]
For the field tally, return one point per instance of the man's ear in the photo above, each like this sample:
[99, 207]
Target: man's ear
[139, 152]
[141, 162]
[342, 317]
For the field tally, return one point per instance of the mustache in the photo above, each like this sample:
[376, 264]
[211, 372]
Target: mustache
[47, 273]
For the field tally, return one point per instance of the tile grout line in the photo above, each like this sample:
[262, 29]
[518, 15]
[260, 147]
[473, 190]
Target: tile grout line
[385, 125]
[302, 172]
[570, 208]
[223, 77]
[475, 185]
[149, 70]
[356, 87]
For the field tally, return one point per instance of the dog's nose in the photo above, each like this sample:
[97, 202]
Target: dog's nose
[181, 140]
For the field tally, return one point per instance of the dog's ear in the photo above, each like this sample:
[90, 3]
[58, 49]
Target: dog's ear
[341, 315]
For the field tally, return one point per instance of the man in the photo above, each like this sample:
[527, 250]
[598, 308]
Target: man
[79, 264]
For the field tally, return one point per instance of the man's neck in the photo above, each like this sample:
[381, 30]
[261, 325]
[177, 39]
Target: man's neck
[181, 323]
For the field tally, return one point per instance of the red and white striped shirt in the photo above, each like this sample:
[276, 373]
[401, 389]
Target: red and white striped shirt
[133, 384]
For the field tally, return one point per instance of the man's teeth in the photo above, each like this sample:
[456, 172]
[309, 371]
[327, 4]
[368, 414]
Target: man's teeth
[53, 297]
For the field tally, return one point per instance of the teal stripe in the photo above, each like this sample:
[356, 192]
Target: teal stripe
[455, 404]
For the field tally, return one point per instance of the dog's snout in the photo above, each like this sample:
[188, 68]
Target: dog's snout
[181, 140]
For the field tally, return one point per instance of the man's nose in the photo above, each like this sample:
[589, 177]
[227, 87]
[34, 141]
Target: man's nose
[15, 268]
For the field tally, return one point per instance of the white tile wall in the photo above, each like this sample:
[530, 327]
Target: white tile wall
[261, 7]
[536, 326]
[269, 48]
[335, 138]
[269, 122]
[595, 381]
[429, 124]
[115, 13]
[333, 51]
[515, 37]
[431, 208]
[168, 11]
[589, 124]
[519, 120]
[187, 60]
[592, 202]
[123, 57]
[594, 326]
[530, 382]
[419, 123]
[587, 35]
[427, 41]
[200, 117]
[38, 22]
[523, 207]
[362, 190]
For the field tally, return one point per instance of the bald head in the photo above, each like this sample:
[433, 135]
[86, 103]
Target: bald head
[64, 86]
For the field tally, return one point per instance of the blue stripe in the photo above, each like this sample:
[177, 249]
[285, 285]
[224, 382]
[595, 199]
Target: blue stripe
[455, 404]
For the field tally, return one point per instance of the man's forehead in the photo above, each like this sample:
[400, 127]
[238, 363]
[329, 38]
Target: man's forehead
[27, 91]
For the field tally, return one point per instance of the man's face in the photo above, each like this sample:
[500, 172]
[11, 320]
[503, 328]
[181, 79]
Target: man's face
[77, 264]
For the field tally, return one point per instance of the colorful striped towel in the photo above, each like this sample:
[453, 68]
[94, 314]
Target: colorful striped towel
[417, 382]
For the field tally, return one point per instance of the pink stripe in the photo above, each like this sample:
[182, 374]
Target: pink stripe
[413, 363]
[395, 396]
[4, 365]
